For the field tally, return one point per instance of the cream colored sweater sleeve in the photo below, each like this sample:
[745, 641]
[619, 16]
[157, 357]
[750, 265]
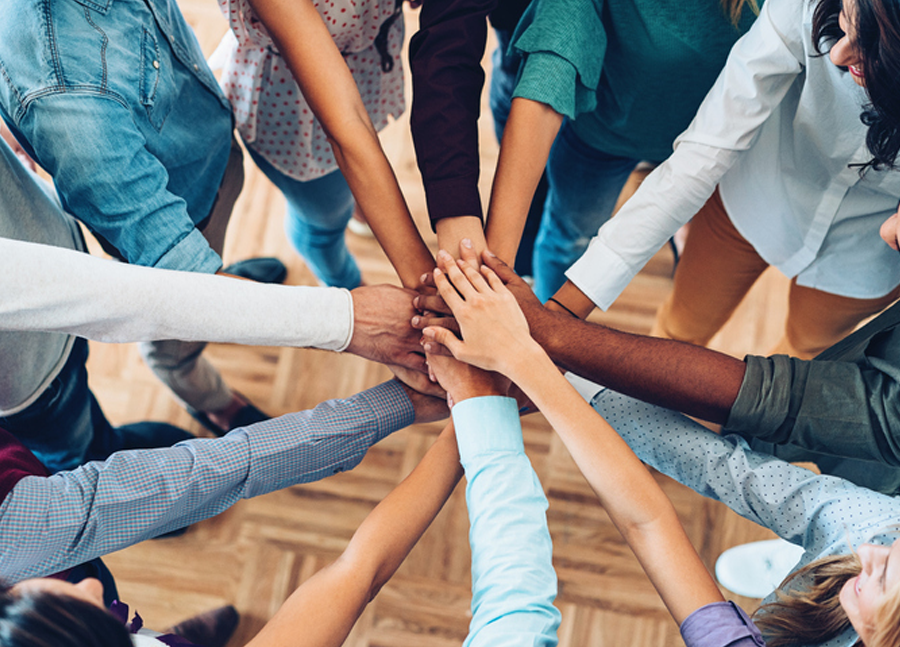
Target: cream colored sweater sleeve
[51, 289]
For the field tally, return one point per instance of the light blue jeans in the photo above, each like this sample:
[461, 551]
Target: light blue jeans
[317, 215]
[583, 186]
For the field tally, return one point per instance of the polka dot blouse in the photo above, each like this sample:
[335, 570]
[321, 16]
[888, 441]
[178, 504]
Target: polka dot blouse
[270, 110]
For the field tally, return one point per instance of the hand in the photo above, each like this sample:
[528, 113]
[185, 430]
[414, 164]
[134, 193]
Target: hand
[417, 381]
[23, 156]
[429, 301]
[492, 324]
[427, 408]
[890, 231]
[463, 381]
[381, 327]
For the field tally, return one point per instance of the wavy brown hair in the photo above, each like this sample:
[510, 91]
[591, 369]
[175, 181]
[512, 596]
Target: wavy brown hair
[805, 614]
[877, 26]
[734, 8]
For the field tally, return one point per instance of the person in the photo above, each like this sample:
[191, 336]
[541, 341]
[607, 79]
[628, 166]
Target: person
[283, 136]
[45, 398]
[585, 109]
[845, 589]
[780, 189]
[252, 461]
[495, 334]
[108, 101]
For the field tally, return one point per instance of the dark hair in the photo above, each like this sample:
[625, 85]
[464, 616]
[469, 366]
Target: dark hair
[877, 24]
[43, 619]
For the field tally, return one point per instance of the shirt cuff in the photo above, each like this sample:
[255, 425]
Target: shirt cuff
[548, 78]
[191, 254]
[764, 399]
[720, 623]
[486, 425]
[601, 274]
[453, 197]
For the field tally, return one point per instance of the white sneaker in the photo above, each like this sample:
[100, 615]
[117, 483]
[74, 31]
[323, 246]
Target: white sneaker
[756, 569]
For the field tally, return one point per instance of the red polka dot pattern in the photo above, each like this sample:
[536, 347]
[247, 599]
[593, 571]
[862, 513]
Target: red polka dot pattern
[270, 110]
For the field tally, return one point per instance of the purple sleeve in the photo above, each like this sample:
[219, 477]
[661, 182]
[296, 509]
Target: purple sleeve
[445, 61]
[720, 624]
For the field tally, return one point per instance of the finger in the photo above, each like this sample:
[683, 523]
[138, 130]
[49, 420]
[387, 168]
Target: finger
[431, 303]
[474, 276]
[459, 280]
[426, 280]
[504, 271]
[493, 280]
[468, 254]
[422, 322]
[414, 362]
[448, 292]
[443, 337]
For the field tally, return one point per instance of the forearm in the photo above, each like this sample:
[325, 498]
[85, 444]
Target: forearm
[50, 524]
[306, 45]
[451, 231]
[641, 512]
[527, 139]
[337, 595]
[52, 289]
[691, 379]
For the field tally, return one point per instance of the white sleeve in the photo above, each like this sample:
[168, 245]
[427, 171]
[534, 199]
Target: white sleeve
[52, 289]
[759, 71]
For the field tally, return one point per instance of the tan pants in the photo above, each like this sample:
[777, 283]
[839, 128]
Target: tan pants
[717, 269]
[178, 364]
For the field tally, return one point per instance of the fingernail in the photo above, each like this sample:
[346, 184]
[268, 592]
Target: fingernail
[444, 254]
[427, 347]
[415, 321]
[428, 332]
[490, 253]
[466, 242]
[437, 271]
[423, 278]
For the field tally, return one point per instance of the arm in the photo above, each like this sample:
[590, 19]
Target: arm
[496, 338]
[697, 381]
[50, 524]
[115, 302]
[327, 604]
[760, 70]
[129, 206]
[304, 42]
[527, 139]
[513, 582]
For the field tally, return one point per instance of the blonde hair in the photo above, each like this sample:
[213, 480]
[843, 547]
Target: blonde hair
[734, 8]
[811, 613]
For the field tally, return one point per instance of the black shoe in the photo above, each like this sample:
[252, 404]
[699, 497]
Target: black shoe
[262, 270]
[209, 629]
[247, 415]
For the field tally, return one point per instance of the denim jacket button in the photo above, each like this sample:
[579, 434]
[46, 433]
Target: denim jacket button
[196, 67]
[156, 65]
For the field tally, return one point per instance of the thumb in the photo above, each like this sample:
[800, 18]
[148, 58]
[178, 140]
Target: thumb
[501, 269]
[444, 337]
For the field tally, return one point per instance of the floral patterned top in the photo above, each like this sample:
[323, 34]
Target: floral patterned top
[270, 111]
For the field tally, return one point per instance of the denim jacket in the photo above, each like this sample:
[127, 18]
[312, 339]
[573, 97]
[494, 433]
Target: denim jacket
[115, 100]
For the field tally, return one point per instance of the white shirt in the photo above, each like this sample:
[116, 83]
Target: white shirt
[776, 133]
[52, 289]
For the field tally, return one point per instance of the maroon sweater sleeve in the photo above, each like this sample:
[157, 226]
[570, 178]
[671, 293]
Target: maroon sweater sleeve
[445, 61]
[16, 462]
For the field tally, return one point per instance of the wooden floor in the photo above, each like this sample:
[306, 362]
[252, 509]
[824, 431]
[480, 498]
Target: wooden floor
[255, 554]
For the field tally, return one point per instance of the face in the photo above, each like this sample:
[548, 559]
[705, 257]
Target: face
[90, 590]
[843, 53]
[890, 231]
[863, 595]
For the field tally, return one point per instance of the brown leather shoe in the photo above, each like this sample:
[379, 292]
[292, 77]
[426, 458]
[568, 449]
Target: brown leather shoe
[208, 629]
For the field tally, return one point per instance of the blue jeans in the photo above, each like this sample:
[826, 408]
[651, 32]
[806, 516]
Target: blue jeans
[317, 215]
[66, 427]
[583, 186]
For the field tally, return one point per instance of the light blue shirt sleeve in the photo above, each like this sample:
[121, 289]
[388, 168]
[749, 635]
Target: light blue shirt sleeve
[50, 524]
[823, 514]
[513, 581]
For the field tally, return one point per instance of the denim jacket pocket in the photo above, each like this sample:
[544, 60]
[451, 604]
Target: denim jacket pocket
[156, 81]
[97, 5]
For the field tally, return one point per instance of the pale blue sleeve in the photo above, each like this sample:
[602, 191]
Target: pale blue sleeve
[513, 581]
[50, 524]
[820, 513]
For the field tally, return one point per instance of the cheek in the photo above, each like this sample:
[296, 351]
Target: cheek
[889, 231]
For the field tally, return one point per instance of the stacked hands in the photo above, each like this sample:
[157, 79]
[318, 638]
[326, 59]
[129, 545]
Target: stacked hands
[475, 336]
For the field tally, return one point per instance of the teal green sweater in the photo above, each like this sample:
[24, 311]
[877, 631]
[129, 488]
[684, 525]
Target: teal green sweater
[629, 73]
